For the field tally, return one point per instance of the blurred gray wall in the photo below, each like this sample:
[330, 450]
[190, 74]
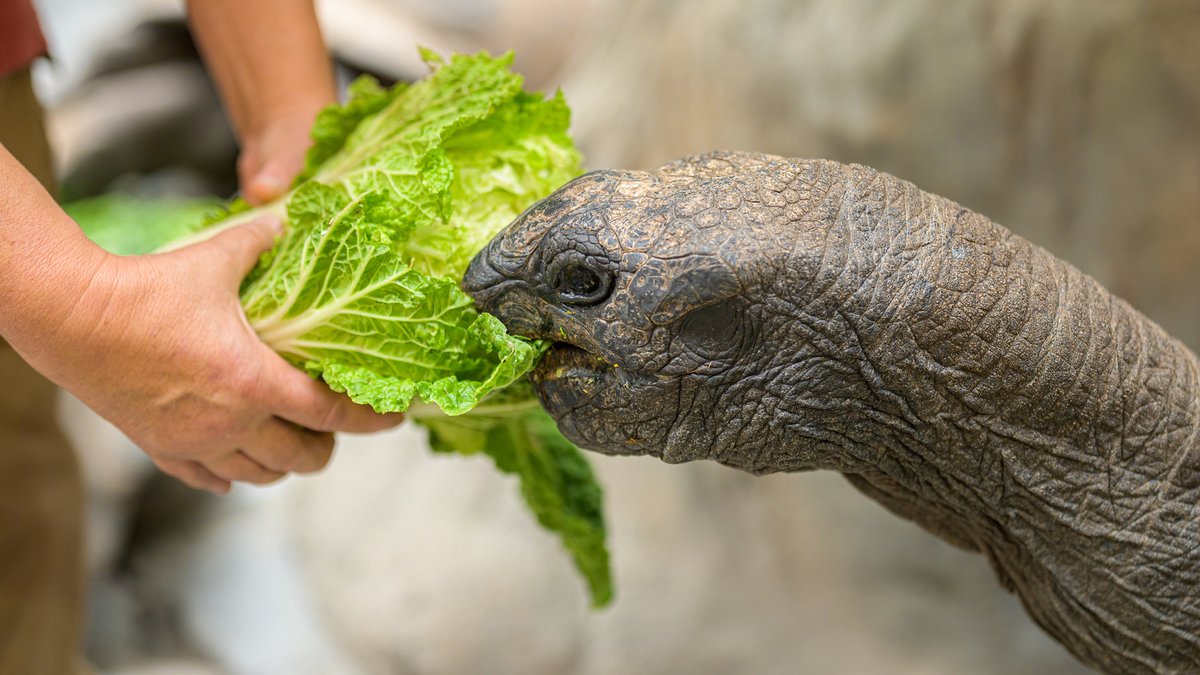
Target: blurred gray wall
[1075, 123]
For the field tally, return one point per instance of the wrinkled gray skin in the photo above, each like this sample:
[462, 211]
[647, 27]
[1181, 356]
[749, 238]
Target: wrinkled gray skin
[787, 315]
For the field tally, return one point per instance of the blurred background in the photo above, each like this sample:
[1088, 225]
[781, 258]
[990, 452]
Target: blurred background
[1075, 123]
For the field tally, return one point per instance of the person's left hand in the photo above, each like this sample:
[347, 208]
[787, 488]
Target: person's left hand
[273, 155]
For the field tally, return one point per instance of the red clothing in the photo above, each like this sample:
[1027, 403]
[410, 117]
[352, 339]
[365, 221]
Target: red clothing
[21, 39]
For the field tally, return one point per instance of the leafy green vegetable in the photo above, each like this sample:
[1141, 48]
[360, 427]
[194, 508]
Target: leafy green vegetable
[556, 480]
[132, 226]
[341, 302]
[400, 189]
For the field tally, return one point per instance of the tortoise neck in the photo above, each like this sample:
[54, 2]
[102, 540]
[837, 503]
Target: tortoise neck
[1011, 404]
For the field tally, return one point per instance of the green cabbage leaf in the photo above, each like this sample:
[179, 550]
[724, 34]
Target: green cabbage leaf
[401, 188]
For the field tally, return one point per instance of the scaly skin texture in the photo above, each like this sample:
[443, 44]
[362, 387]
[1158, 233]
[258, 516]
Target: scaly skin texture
[786, 315]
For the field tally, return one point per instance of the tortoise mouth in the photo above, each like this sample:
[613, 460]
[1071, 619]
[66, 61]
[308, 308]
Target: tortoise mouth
[598, 404]
[568, 377]
[565, 361]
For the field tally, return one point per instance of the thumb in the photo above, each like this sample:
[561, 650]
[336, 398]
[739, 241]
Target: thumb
[240, 248]
[270, 182]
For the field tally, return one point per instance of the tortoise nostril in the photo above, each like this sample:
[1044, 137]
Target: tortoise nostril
[481, 275]
[485, 284]
[490, 289]
[516, 310]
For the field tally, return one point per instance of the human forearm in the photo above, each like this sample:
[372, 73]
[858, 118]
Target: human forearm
[274, 75]
[267, 57]
[46, 262]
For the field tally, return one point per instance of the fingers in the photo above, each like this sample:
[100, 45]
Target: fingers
[193, 474]
[271, 182]
[236, 466]
[282, 447]
[239, 248]
[298, 398]
[276, 449]
[274, 154]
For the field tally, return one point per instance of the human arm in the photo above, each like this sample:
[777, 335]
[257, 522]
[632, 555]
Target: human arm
[273, 72]
[158, 345]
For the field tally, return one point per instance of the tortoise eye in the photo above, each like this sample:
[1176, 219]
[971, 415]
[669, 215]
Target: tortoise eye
[578, 283]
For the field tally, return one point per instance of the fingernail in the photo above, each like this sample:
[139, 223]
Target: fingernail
[269, 181]
[275, 224]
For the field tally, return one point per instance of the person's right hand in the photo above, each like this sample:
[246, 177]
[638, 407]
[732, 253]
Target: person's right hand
[159, 346]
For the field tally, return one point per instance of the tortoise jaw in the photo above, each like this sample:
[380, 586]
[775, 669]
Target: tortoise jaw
[568, 377]
[567, 361]
[599, 405]
[590, 400]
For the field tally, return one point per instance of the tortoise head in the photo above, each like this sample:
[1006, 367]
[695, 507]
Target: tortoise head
[654, 289]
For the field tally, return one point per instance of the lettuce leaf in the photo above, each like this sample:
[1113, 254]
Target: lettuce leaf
[130, 225]
[336, 299]
[400, 189]
[556, 480]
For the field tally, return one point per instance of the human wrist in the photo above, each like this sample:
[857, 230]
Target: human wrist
[268, 113]
[274, 153]
[267, 58]
[47, 285]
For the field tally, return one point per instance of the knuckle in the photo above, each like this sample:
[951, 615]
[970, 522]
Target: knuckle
[321, 464]
[245, 380]
[208, 438]
[325, 441]
[171, 448]
[157, 446]
[185, 474]
[173, 470]
[216, 255]
[314, 457]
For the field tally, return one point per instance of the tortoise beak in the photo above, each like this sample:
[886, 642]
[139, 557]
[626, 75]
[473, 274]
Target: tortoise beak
[497, 290]
[482, 281]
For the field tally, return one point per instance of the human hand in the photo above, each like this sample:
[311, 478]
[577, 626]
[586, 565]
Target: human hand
[273, 71]
[273, 155]
[159, 346]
